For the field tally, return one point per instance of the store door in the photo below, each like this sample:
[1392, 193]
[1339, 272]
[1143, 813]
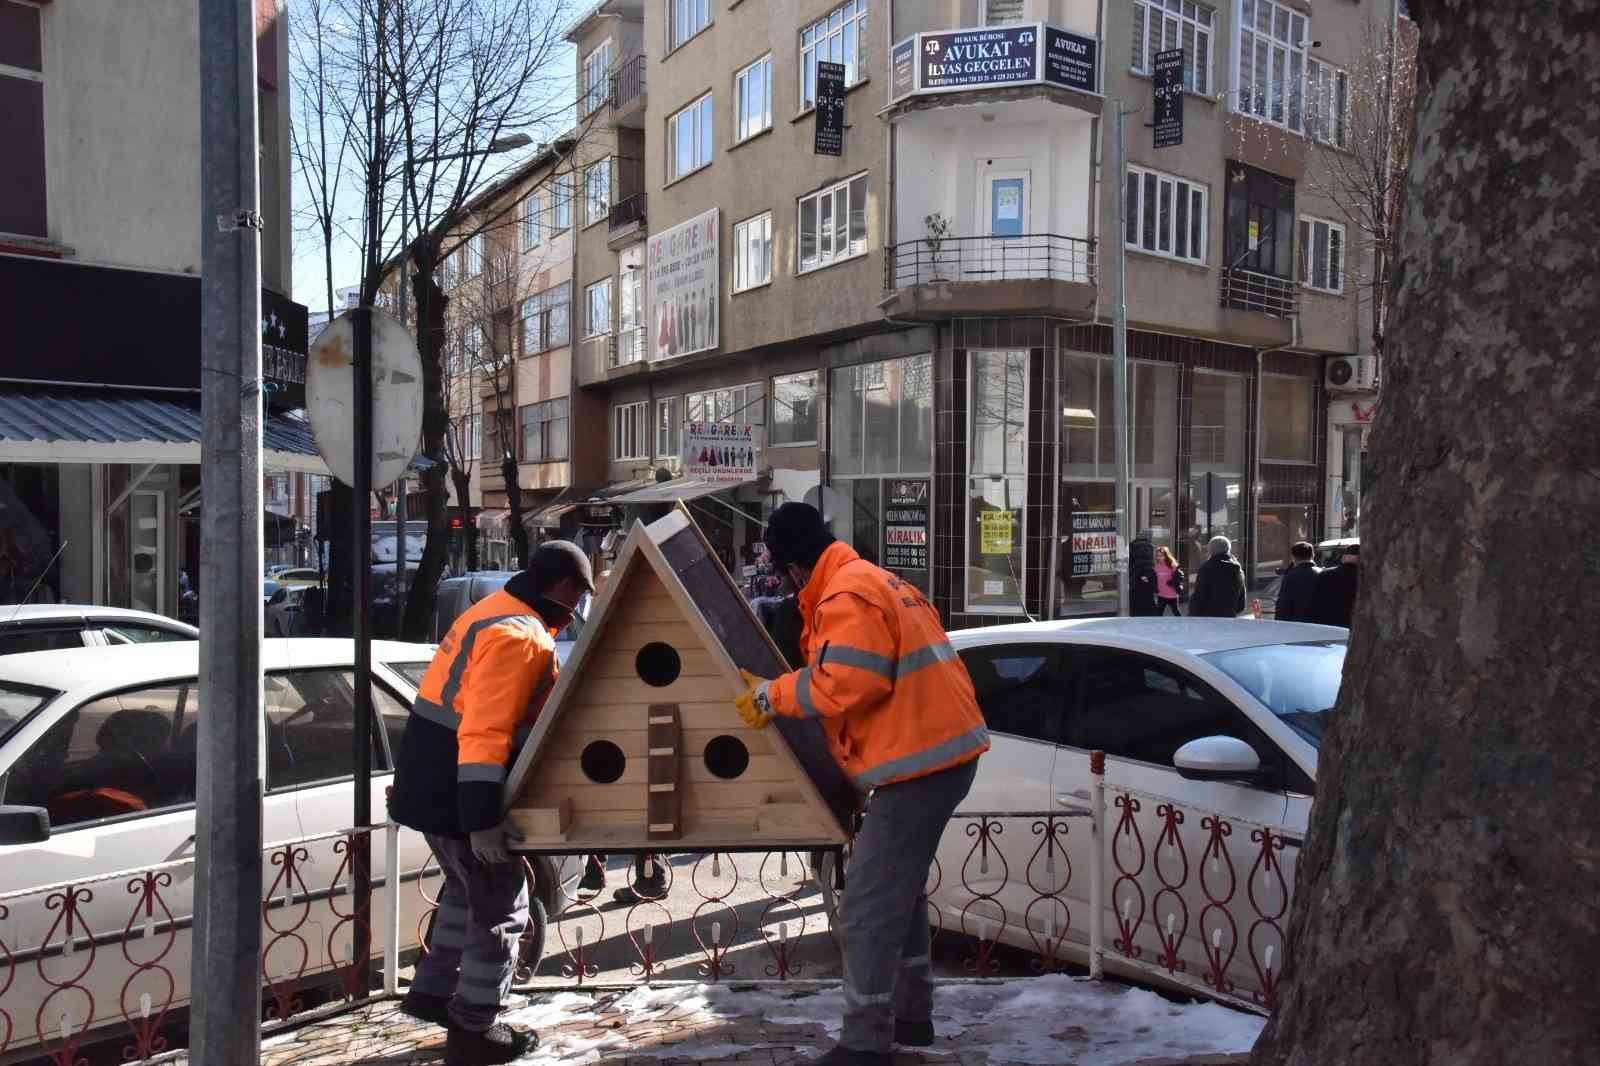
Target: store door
[147, 545]
[1006, 204]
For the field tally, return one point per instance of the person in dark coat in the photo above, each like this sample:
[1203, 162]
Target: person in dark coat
[1295, 590]
[1142, 576]
[1333, 597]
[1219, 584]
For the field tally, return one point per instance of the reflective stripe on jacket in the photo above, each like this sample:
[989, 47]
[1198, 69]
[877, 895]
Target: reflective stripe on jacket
[894, 698]
[479, 698]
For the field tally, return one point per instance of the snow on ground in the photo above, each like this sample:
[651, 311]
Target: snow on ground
[1031, 1022]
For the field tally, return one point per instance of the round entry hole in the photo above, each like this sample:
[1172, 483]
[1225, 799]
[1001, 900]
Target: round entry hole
[727, 757]
[658, 664]
[603, 762]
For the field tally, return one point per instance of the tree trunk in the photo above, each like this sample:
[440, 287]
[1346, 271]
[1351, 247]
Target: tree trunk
[1446, 901]
[430, 301]
[469, 529]
[519, 532]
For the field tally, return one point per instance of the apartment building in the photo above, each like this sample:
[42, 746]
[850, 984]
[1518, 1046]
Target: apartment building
[100, 232]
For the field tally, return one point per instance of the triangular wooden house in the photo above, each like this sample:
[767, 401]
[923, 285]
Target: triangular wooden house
[640, 746]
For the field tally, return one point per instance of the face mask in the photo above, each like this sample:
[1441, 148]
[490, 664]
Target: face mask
[556, 614]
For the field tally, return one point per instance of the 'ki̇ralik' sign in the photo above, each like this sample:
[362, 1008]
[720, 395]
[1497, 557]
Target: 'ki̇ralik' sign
[1011, 55]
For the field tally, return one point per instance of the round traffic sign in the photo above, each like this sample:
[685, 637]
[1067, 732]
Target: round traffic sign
[396, 397]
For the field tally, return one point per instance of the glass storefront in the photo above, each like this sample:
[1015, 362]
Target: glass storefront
[1216, 489]
[1278, 528]
[997, 480]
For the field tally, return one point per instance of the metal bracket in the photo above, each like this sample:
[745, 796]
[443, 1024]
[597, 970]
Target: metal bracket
[241, 219]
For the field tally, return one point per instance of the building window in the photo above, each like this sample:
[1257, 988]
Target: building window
[752, 91]
[838, 37]
[1327, 103]
[689, 139]
[1272, 59]
[742, 403]
[1166, 215]
[685, 18]
[833, 223]
[669, 420]
[532, 223]
[561, 204]
[1259, 230]
[794, 409]
[597, 309]
[597, 192]
[472, 347]
[1007, 12]
[546, 319]
[472, 436]
[1288, 419]
[472, 257]
[752, 252]
[544, 431]
[630, 437]
[22, 164]
[1216, 463]
[596, 88]
[1322, 255]
[997, 468]
[1176, 24]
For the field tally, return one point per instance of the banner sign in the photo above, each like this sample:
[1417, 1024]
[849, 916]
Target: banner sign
[829, 139]
[720, 451]
[905, 525]
[961, 60]
[681, 273]
[1094, 543]
[1169, 98]
[994, 532]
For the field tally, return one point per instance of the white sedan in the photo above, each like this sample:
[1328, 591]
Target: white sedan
[103, 742]
[1219, 715]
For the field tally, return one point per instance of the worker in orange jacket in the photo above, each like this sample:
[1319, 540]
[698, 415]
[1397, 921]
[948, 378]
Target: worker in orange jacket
[476, 704]
[898, 709]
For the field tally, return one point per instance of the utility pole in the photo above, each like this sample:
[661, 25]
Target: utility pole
[1119, 349]
[228, 786]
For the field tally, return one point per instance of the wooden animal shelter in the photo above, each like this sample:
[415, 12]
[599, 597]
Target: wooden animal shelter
[640, 746]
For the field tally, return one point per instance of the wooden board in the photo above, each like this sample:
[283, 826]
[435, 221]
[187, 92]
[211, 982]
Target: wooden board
[664, 781]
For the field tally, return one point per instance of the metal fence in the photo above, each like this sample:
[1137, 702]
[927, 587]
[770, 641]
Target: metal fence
[1250, 290]
[1030, 256]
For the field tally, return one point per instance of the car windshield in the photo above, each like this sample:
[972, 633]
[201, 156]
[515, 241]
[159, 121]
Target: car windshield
[1297, 682]
[17, 702]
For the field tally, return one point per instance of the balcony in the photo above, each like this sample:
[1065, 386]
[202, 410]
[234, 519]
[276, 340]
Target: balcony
[611, 356]
[627, 221]
[628, 95]
[983, 64]
[1266, 294]
[1041, 273]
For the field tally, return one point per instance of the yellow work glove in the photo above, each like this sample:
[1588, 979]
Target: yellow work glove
[752, 702]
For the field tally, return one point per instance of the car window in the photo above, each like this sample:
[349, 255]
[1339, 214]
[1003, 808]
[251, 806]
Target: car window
[16, 641]
[18, 702]
[140, 634]
[412, 672]
[1019, 689]
[392, 715]
[311, 728]
[1139, 708]
[1297, 682]
[131, 753]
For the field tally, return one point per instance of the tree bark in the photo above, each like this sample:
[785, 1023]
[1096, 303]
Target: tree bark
[1446, 904]
[462, 480]
[519, 532]
[430, 301]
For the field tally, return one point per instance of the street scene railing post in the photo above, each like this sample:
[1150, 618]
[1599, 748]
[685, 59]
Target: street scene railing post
[1097, 863]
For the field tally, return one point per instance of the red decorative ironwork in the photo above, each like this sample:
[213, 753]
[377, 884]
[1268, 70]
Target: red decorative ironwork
[57, 1005]
[1169, 900]
[650, 951]
[1126, 890]
[785, 963]
[579, 967]
[716, 952]
[5, 986]
[984, 832]
[281, 982]
[1270, 868]
[147, 1041]
[1215, 914]
[1048, 896]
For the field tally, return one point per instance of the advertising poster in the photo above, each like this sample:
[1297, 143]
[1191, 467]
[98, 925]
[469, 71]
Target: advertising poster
[1169, 98]
[1094, 543]
[721, 451]
[905, 525]
[994, 532]
[829, 138]
[903, 69]
[1069, 59]
[682, 273]
[971, 58]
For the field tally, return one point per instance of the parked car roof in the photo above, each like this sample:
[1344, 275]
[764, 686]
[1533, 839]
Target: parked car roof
[1197, 636]
[50, 612]
[71, 669]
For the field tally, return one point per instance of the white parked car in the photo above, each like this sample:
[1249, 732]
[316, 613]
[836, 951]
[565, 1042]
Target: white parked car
[47, 626]
[103, 740]
[283, 610]
[1220, 715]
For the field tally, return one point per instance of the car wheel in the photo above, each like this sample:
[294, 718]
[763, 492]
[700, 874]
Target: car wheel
[530, 949]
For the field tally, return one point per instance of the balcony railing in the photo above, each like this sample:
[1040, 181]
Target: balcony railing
[627, 349]
[628, 211]
[1028, 257]
[627, 84]
[1251, 290]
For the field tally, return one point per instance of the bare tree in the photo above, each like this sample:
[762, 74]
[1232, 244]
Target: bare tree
[321, 136]
[1446, 899]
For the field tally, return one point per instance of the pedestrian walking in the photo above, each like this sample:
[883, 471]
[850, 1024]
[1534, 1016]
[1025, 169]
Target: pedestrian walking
[1333, 597]
[1142, 576]
[1295, 588]
[1170, 582]
[899, 713]
[483, 691]
[1219, 584]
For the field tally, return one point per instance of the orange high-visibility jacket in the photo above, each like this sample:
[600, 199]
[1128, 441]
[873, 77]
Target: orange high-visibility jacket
[481, 694]
[894, 698]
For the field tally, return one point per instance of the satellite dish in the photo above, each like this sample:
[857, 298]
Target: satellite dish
[396, 398]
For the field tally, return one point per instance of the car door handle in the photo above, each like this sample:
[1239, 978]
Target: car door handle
[181, 850]
[1076, 804]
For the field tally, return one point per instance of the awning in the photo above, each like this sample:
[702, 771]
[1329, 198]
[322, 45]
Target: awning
[494, 524]
[71, 425]
[549, 517]
[682, 488]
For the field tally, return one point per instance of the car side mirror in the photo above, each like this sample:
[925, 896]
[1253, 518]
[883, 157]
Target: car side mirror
[1217, 759]
[24, 825]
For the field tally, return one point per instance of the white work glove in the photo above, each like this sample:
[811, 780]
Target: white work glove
[491, 845]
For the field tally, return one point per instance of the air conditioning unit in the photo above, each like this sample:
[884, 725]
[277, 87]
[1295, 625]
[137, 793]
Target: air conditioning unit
[1351, 373]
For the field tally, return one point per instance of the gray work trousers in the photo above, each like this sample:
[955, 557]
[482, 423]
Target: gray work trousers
[472, 954]
[888, 969]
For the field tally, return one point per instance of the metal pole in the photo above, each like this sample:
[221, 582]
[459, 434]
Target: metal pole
[225, 959]
[1097, 863]
[361, 846]
[391, 909]
[400, 559]
[1119, 350]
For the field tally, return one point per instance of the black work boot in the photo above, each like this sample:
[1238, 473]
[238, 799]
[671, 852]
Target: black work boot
[642, 889]
[500, 1043]
[908, 1033]
[843, 1056]
[594, 877]
[426, 1008]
